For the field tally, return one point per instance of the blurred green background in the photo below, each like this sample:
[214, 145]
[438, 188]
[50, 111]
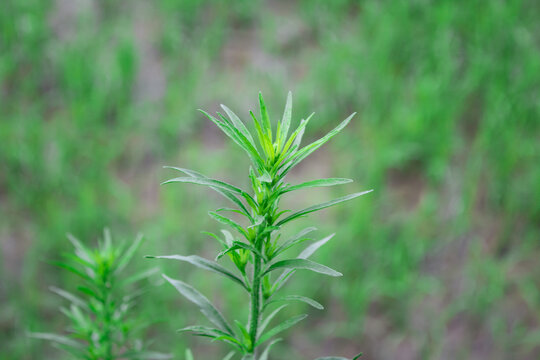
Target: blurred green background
[440, 262]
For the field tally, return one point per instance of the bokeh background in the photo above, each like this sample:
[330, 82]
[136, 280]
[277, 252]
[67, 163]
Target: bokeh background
[440, 262]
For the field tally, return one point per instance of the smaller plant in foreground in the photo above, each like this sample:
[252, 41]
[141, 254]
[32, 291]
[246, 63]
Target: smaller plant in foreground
[101, 326]
[256, 247]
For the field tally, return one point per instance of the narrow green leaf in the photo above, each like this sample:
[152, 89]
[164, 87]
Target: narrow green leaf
[226, 193]
[189, 355]
[245, 333]
[266, 143]
[294, 240]
[278, 284]
[209, 310]
[204, 264]
[231, 223]
[281, 327]
[70, 297]
[316, 183]
[302, 264]
[269, 318]
[206, 330]
[229, 356]
[128, 255]
[264, 355]
[56, 338]
[80, 250]
[265, 177]
[139, 276]
[246, 144]
[321, 206]
[306, 151]
[73, 270]
[239, 124]
[267, 126]
[239, 245]
[299, 130]
[145, 355]
[211, 183]
[230, 132]
[285, 122]
[303, 299]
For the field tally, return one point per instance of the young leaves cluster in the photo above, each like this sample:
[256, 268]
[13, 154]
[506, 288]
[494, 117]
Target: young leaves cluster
[101, 326]
[255, 246]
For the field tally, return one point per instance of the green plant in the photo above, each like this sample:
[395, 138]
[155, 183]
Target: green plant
[101, 325]
[259, 243]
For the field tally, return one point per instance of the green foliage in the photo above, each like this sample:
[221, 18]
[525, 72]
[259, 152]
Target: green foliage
[258, 242]
[102, 327]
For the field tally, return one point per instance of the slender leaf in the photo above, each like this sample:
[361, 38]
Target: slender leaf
[306, 151]
[239, 124]
[212, 183]
[264, 355]
[209, 310]
[56, 338]
[321, 206]
[226, 193]
[231, 223]
[69, 296]
[234, 135]
[204, 264]
[294, 240]
[303, 255]
[299, 130]
[281, 327]
[265, 142]
[229, 356]
[240, 245]
[128, 254]
[302, 264]
[316, 183]
[285, 122]
[146, 355]
[269, 318]
[303, 299]
[267, 126]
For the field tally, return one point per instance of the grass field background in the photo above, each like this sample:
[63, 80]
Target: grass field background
[439, 262]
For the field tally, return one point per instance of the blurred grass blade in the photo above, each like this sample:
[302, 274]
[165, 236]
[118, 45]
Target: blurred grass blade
[204, 264]
[209, 310]
[281, 327]
[302, 264]
[56, 338]
[128, 255]
[70, 297]
[321, 206]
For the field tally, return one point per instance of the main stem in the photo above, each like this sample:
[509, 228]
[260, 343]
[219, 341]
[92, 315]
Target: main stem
[255, 303]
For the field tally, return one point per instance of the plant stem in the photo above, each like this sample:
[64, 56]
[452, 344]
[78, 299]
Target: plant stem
[255, 303]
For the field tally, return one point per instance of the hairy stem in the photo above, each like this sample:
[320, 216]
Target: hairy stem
[255, 303]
